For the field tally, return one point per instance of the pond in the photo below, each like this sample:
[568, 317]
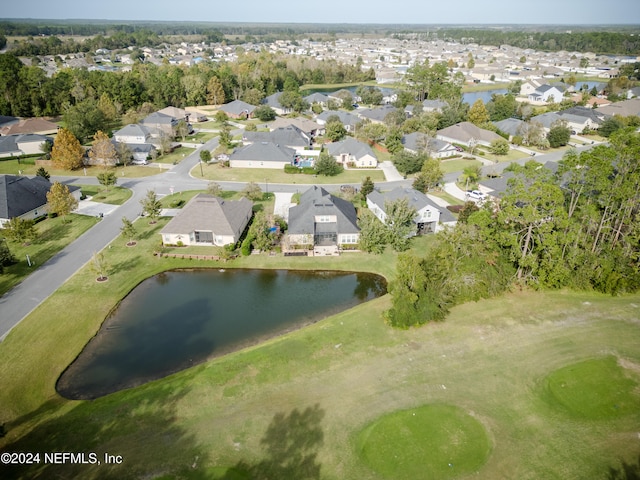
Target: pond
[485, 95]
[178, 319]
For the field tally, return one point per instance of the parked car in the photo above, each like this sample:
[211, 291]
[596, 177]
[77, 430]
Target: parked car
[476, 195]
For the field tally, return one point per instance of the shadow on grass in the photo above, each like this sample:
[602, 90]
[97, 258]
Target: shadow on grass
[291, 445]
[139, 426]
[627, 471]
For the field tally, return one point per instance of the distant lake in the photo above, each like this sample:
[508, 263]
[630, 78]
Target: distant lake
[485, 95]
[178, 319]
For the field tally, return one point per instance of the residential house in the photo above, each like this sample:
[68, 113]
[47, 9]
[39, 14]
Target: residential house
[583, 117]
[39, 126]
[289, 136]
[547, 120]
[238, 109]
[378, 114]
[177, 113]
[139, 140]
[160, 124]
[262, 155]
[308, 127]
[624, 108]
[419, 142]
[546, 94]
[25, 197]
[27, 144]
[338, 96]
[466, 133]
[352, 153]
[274, 103]
[511, 126]
[529, 87]
[208, 220]
[322, 222]
[317, 98]
[349, 120]
[427, 212]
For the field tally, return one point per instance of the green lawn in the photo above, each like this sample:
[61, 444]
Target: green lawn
[296, 404]
[510, 157]
[448, 166]
[450, 199]
[169, 201]
[216, 172]
[12, 167]
[200, 137]
[113, 196]
[176, 156]
[53, 236]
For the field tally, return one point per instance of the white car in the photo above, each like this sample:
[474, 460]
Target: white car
[476, 195]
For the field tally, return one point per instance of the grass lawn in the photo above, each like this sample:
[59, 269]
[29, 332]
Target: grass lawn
[297, 403]
[176, 156]
[450, 199]
[11, 167]
[53, 236]
[114, 196]
[200, 137]
[510, 157]
[216, 172]
[432, 441]
[448, 166]
[169, 201]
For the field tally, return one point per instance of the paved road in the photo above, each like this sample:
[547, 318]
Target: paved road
[33, 290]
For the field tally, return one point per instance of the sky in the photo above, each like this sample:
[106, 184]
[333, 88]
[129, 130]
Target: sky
[557, 12]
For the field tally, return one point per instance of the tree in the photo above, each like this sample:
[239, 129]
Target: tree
[293, 100]
[99, 266]
[103, 151]
[532, 133]
[214, 189]
[400, 223]
[225, 138]
[42, 172]
[84, 119]
[609, 126]
[260, 232]
[393, 140]
[478, 114]
[151, 206]
[430, 175]
[20, 230]
[367, 187]
[215, 91]
[252, 191]
[107, 179]
[128, 231]
[6, 257]
[60, 200]
[369, 95]
[408, 162]
[205, 155]
[265, 113]
[327, 165]
[335, 131]
[182, 129]
[502, 107]
[124, 153]
[221, 117]
[499, 147]
[67, 152]
[373, 233]
[559, 135]
[467, 209]
[372, 132]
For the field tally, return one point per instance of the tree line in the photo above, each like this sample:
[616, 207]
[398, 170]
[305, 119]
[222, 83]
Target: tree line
[577, 228]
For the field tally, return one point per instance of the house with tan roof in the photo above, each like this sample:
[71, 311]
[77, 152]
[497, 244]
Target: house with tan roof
[38, 126]
[466, 133]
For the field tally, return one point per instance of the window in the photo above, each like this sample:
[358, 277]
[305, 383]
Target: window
[204, 237]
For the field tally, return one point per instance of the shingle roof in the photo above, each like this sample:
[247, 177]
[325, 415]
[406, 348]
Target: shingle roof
[509, 125]
[208, 213]
[19, 195]
[29, 125]
[350, 146]
[345, 117]
[304, 124]
[317, 98]
[290, 136]
[157, 118]
[466, 131]
[317, 201]
[11, 143]
[133, 130]
[378, 114]
[416, 199]
[264, 152]
[417, 140]
[237, 107]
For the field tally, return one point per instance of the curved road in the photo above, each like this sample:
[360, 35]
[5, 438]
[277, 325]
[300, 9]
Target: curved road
[34, 289]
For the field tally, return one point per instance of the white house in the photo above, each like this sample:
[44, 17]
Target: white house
[546, 93]
[351, 152]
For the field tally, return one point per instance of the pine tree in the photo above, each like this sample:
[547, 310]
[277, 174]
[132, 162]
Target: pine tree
[215, 92]
[60, 200]
[67, 152]
[128, 230]
[151, 206]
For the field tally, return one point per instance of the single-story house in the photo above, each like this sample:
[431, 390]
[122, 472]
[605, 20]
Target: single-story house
[427, 212]
[322, 222]
[308, 127]
[624, 108]
[378, 114]
[289, 136]
[208, 220]
[38, 126]
[162, 123]
[319, 98]
[238, 109]
[274, 103]
[175, 112]
[466, 133]
[512, 126]
[262, 155]
[349, 120]
[27, 144]
[591, 118]
[133, 134]
[25, 197]
[352, 151]
[418, 142]
[547, 120]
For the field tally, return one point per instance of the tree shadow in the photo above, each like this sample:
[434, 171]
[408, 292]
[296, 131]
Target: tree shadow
[138, 428]
[627, 471]
[291, 445]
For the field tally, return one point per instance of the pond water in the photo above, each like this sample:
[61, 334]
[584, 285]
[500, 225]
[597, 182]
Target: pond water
[485, 96]
[177, 319]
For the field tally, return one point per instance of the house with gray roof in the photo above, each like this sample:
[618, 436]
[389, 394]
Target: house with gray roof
[262, 155]
[512, 126]
[208, 220]
[349, 120]
[138, 139]
[427, 216]
[352, 152]
[274, 103]
[624, 108]
[27, 144]
[238, 109]
[25, 197]
[547, 119]
[309, 127]
[322, 222]
[161, 123]
[288, 136]
[419, 142]
[466, 133]
[319, 98]
[583, 117]
[547, 93]
[378, 114]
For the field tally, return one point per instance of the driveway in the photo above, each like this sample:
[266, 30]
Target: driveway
[94, 209]
[390, 172]
[283, 202]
